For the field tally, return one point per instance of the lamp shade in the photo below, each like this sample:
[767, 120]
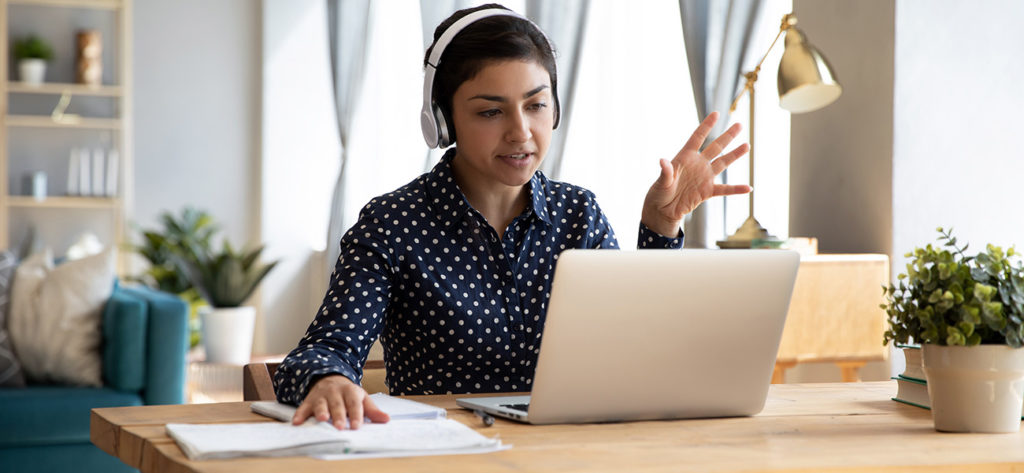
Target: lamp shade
[806, 81]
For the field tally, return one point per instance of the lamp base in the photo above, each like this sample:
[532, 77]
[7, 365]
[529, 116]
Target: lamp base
[748, 232]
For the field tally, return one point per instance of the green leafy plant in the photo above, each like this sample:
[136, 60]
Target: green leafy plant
[949, 298]
[227, 278]
[32, 47]
[180, 235]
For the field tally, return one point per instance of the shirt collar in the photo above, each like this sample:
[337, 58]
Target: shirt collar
[450, 203]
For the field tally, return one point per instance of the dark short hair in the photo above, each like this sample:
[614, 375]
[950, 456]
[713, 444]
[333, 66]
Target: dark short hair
[492, 38]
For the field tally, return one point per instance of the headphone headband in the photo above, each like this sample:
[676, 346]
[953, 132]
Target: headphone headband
[462, 23]
[436, 131]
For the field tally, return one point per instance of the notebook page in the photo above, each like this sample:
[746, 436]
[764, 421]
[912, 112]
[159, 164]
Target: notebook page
[208, 441]
[414, 434]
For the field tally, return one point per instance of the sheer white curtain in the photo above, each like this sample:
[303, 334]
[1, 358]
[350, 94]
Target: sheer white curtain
[718, 36]
[633, 107]
[347, 22]
[565, 23]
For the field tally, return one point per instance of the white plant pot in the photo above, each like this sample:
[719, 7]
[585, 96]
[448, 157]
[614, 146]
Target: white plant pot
[975, 389]
[32, 71]
[227, 333]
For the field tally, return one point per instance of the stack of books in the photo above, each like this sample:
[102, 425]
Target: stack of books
[912, 385]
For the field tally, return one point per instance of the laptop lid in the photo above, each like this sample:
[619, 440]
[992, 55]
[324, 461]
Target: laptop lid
[661, 334]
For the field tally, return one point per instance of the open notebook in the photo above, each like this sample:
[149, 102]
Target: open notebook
[415, 429]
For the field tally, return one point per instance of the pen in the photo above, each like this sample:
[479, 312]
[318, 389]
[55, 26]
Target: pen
[485, 417]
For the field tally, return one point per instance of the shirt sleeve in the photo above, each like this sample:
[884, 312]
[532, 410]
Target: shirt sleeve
[349, 320]
[648, 238]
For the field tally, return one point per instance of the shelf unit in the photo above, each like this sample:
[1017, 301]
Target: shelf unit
[101, 211]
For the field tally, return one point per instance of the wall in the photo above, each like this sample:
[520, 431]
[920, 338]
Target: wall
[956, 155]
[842, 155]
[197, 108]
[841, 168]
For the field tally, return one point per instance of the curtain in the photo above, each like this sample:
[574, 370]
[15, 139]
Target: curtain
[718, 34]
[432, 13]
[564, 22]
[348, 35]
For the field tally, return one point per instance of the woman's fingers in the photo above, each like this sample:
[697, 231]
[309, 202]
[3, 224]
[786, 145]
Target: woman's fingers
[723, 189]
[354, 406]
[373, 412]
[303, 412]
[721, 142]
[339, 410]
[723, 161]
[701, 133]
[321, 409]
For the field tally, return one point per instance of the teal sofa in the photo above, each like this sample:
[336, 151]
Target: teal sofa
[45, 428]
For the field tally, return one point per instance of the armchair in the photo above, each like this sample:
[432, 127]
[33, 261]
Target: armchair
[145, 338]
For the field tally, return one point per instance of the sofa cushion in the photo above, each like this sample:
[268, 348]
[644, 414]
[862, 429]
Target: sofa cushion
[44, 415]
[55, 317]
[125, 322]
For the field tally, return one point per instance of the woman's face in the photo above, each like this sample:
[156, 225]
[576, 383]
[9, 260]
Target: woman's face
[503, 119]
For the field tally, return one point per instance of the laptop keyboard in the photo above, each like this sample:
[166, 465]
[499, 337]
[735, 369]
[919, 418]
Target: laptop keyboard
[521, 407]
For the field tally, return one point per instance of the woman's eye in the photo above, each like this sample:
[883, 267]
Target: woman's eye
[489, 113]
[538, 106]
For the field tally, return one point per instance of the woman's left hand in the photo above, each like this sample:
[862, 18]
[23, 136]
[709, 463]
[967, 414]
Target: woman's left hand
[690, 179]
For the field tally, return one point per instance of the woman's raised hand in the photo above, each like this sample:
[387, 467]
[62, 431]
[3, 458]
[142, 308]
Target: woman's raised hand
[689, 179]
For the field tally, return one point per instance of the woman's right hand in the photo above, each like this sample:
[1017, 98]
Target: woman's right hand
[336, 397]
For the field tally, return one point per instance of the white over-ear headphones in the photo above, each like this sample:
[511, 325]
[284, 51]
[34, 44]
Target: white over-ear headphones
[437, 132]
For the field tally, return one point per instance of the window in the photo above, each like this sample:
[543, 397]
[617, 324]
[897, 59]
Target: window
[633, 105]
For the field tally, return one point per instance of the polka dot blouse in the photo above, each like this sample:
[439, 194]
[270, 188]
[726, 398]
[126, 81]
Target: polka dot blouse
[458, 309]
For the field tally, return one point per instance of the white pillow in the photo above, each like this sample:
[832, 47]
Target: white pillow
[55, 317]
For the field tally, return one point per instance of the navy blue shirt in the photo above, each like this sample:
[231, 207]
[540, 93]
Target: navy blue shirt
[458, 309]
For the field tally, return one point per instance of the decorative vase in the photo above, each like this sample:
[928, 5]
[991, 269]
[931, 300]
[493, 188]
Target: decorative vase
[975, 389]
[32, 70]
[89, 68]
[227, 333]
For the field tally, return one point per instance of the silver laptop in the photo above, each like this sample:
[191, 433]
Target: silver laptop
[656, 334]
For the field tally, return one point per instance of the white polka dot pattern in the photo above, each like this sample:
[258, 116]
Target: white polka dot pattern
[457, 308]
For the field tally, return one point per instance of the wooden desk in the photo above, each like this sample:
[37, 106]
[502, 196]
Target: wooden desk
[838, 427]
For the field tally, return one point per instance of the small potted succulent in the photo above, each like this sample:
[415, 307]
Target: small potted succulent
[225, 280]
[967, 313]
[32, 53]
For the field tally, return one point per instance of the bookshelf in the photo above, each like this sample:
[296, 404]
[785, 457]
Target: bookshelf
[35, 138]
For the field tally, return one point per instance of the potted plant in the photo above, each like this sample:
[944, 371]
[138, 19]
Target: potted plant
[225, 280]
[192, 229]
[32, 53]
[967, 313]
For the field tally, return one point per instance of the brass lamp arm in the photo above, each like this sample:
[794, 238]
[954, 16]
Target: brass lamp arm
[788, 21]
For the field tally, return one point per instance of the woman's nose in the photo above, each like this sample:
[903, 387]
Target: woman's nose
[518, 128]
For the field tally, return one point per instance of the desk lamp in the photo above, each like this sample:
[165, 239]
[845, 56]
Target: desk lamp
[806, 83]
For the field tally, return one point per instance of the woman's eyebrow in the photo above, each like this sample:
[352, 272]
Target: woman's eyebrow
[498, 98]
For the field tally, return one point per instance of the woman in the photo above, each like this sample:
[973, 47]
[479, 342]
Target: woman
[452, 271]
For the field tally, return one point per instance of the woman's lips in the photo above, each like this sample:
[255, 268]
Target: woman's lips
[516, 159]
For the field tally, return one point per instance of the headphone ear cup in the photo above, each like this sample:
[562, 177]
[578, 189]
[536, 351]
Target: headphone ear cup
[445, 132]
